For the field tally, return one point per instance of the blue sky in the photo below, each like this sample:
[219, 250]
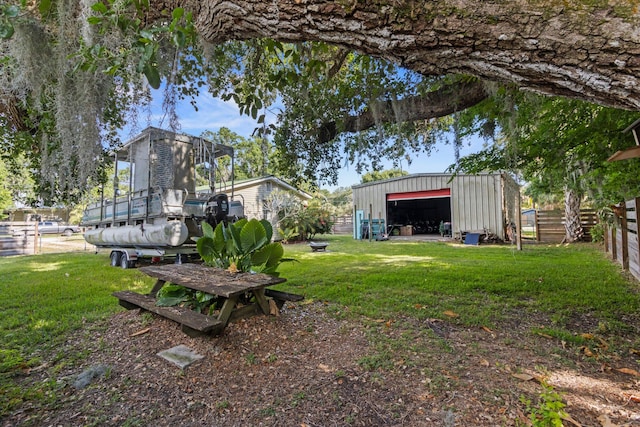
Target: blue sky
[214, 113]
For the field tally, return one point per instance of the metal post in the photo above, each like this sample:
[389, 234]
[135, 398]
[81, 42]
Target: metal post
[355, 222]
[370, 225]
[129, 195]
[519, 223]
[152, 158]
[115, 191]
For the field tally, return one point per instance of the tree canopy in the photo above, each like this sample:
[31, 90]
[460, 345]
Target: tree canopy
[555, 144]
[365, 79]
[380, 175]
[560, 147]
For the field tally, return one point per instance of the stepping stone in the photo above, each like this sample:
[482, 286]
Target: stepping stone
[181, 356]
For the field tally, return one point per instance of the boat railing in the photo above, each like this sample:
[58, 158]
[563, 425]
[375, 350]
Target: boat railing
[135, 205]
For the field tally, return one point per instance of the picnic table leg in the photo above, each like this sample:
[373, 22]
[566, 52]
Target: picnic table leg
[262, 300]
[227, 308]
[159, 284]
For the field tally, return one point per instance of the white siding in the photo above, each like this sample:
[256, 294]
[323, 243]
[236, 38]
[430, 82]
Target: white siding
[250, 199]
[254, 197]
[477, 201]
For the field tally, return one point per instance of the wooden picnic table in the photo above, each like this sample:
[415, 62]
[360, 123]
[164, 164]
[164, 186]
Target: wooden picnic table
[238, 295]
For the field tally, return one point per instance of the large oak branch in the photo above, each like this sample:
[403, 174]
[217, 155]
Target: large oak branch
[442, 102]
[565, 48]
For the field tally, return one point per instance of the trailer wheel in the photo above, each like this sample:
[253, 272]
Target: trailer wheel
[124, 261]
[115, 258]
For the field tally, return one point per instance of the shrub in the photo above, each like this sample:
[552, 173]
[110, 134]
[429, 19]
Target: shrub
[307, 222]
[241, 246]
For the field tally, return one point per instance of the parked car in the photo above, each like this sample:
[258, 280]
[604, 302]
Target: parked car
[54, 227]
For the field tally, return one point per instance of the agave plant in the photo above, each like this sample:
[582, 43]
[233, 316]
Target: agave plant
[241, 246]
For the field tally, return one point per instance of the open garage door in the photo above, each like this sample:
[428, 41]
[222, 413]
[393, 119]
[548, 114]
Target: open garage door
[422, 210]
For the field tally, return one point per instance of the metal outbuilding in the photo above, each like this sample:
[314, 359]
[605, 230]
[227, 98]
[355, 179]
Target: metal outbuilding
[424, 203]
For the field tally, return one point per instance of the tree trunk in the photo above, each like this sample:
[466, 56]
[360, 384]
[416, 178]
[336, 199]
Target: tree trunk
[572, 224]
[584, 50]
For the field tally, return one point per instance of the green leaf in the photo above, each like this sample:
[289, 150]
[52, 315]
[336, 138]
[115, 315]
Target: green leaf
[177, 13]
[146, 36]
[268, 228]
[170, 295]
[170, 301]
[252, 236]
[6, 30]
[203, 297]
[207, 230]
[99, 7]
[153, 75]
[219, 240]
[12, 11]
[240, 223]
[268, 256]
[179, 39]
[44, 7]
[277, 252]
[234, 244]
[206, 249]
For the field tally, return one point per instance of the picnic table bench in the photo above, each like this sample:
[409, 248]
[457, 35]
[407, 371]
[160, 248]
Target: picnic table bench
[238, 295]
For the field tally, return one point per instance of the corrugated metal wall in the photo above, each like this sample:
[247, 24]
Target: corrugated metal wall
[477, 201]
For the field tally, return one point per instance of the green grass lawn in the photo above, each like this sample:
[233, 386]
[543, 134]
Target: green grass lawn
[45, 297]
[482, 284]
[42, 299]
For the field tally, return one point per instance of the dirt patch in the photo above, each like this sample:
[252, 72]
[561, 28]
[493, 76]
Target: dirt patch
[314, 366]
[52, 244]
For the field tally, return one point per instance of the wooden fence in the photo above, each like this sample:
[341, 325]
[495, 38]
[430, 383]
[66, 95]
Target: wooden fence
[621, 239]
[17, 238]
[550, 225]
[343, 225]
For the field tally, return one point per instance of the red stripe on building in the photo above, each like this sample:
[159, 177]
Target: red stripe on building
[412, 195]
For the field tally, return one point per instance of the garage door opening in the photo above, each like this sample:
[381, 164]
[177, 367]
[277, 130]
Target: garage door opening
[424, 211]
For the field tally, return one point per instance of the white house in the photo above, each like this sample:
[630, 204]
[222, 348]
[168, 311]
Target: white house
[254, 194]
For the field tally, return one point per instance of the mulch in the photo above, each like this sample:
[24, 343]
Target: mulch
[317, 365]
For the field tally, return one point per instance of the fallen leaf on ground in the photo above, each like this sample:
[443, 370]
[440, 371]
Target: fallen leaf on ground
[484, 328]
[141, 332]
[631, 397]
[629, 371]
[544, 335]
[587, 351]
[324, 367]
[606, 422]
[567, 417]
[523, 377]
[485, 363]
[451, 313]
[273, 308]
[587, 336]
